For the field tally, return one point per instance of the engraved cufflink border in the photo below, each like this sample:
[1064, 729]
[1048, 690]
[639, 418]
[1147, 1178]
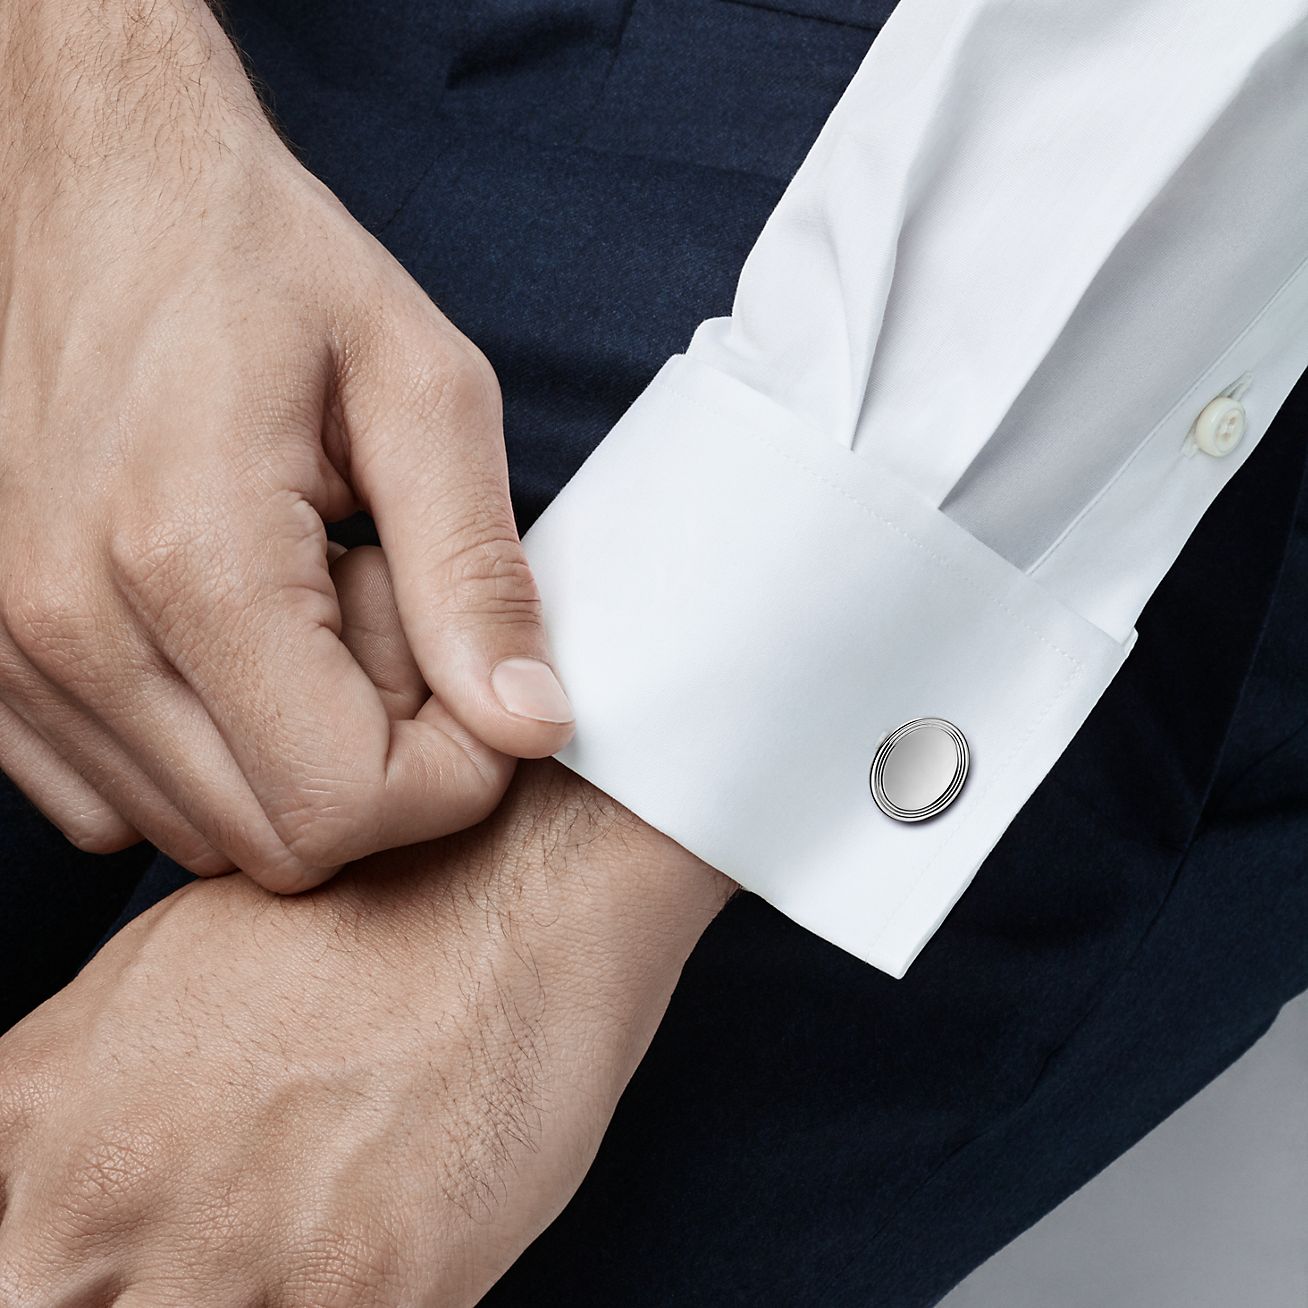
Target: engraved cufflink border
[950, 783]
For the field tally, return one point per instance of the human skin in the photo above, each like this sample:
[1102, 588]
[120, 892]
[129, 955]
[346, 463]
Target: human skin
[374, 1095]
[203, 357]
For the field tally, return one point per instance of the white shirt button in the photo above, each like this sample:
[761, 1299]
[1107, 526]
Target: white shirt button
[918, 769]
[1220, 427]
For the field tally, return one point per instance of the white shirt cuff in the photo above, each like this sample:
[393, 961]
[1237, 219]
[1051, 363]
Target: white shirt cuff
[741, 609]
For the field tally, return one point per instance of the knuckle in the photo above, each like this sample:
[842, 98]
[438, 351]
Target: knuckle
[467, 385]
[318, 832]
[433, 352]
[181, 573]
[49, 620]
[152, 554]
[107, 1179]
[140, 548]
[440, 373]
[29, 1081]
[488, 576]
[199, 582]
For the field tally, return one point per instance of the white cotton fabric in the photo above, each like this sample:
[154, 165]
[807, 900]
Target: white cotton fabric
[935, 462]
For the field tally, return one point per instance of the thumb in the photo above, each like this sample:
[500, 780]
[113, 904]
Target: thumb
[425, 434]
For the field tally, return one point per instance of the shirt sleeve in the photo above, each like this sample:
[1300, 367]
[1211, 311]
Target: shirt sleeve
[1031, 300]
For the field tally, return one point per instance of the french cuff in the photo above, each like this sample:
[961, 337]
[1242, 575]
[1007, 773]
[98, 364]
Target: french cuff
[742, 609]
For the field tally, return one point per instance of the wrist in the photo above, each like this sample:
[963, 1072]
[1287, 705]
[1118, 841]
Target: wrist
[562, 914]
[604, 909]
[595, 902]
[602, 851]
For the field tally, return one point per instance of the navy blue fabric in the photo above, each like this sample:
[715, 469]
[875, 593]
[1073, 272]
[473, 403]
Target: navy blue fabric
[576, 183]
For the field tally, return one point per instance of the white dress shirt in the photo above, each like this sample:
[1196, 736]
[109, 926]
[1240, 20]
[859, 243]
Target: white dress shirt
[1032, 299]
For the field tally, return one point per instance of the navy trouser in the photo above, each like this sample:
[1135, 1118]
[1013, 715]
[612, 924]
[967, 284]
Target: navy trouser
[576, 183]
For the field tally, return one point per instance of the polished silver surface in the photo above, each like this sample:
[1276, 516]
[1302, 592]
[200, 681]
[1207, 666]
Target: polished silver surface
[919, 769]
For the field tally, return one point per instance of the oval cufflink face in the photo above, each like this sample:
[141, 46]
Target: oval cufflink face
[919, 769]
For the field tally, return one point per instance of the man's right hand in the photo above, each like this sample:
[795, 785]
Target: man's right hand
[202, 358]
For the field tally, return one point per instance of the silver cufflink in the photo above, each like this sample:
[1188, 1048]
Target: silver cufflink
[919, 769]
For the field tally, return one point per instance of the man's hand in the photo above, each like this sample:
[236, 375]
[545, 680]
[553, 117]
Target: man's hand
[202, 358]
[372, 1096]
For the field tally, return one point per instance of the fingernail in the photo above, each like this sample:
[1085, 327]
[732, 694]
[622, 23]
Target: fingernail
[530, 689]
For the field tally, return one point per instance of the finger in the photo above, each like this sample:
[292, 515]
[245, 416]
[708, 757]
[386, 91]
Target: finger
[165, 722]
[106, 766]
[88, 679]
[371, 630]
[85, 817]
[257, 640]
[422, 412]
[154, 717]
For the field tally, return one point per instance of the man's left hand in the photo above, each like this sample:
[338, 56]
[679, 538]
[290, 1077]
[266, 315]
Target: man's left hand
[374, 1095]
